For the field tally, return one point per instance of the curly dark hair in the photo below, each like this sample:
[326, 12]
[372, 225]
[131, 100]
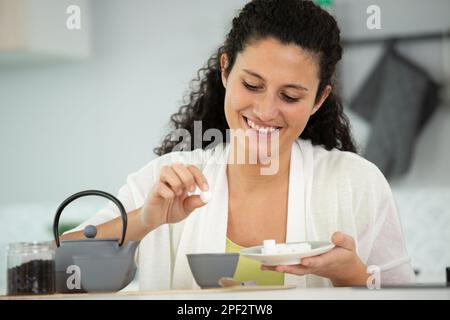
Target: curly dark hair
[299, 22]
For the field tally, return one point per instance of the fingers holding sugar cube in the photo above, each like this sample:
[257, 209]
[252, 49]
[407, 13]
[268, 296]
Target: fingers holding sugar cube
[205, 196]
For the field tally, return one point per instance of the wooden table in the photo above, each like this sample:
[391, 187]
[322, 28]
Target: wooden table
[258, 293]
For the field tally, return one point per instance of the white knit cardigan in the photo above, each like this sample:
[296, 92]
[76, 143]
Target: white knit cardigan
[328, 191]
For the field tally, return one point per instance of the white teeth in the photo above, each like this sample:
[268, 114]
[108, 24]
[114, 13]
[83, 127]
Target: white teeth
[263, 130]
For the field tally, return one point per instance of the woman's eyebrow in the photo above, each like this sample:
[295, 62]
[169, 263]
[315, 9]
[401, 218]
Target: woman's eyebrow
[291, 85]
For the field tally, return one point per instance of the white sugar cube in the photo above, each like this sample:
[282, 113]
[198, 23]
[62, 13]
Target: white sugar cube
[301, 247]
[291, 249]
[282, 248]
[206, 196]
[269, 247]
[268, 244]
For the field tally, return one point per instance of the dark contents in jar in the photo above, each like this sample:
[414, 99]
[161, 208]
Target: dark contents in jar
[33, 277]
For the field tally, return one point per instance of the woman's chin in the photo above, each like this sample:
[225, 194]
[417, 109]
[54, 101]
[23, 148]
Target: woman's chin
[257, 150]
[260, 153]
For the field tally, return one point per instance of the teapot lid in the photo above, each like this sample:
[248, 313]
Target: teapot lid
[90, 232]
[90, 240]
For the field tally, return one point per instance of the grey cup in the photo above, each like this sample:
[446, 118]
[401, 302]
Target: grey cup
[208, 268]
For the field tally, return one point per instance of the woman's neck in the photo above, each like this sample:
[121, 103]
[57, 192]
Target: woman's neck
[247, 178]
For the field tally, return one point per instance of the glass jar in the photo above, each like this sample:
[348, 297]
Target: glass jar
[31, 268]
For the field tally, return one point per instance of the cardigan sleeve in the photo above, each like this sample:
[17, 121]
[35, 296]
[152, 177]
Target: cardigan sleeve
[138, 185]
[382, 240]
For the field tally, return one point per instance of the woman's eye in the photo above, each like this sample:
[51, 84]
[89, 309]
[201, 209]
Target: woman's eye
[256, 88]
[289, 99]
[250, 87]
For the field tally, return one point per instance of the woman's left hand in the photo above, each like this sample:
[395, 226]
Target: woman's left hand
[341, 264]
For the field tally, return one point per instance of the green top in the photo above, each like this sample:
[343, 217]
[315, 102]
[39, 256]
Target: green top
[250, 270]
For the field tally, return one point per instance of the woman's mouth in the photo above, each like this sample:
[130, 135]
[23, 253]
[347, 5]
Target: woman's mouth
[261, 130]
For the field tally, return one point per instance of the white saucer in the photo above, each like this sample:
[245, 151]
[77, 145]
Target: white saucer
[285, 259]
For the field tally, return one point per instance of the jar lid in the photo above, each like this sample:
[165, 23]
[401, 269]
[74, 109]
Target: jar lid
[31, 247]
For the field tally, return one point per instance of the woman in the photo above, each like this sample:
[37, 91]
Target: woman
[273, 78]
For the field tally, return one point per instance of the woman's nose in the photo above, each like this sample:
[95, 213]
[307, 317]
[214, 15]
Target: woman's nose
[266, 110]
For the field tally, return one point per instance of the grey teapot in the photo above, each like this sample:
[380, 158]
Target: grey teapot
[93, 265]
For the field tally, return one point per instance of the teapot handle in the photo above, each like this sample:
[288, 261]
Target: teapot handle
[90, 193]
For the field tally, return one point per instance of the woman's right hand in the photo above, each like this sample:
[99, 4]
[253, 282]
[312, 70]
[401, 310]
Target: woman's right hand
[168, 201]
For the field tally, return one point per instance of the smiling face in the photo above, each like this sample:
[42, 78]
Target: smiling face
[272, 89]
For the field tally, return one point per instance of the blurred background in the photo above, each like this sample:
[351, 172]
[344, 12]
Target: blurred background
[83, 108]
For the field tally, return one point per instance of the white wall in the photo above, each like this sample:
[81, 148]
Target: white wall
[423, 194]
[67, 127]
[403, 17]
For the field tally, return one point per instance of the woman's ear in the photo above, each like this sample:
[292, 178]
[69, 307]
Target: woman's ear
[325, 93]
[223, 67]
